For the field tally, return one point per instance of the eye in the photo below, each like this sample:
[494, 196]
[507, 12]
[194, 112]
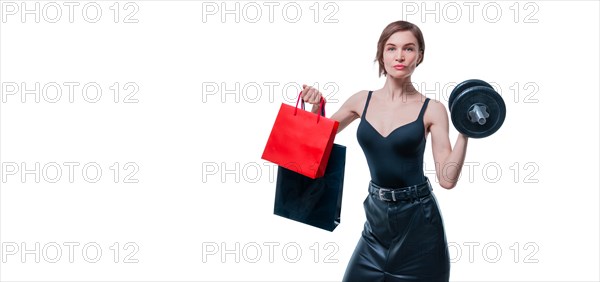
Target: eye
[391, 48]
[409, 49]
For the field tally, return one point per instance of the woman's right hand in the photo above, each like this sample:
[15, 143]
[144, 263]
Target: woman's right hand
[311, 95]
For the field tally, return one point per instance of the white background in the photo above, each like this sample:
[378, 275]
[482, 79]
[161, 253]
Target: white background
[204, 198]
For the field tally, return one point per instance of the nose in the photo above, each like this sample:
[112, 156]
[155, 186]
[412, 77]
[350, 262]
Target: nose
[400, 56]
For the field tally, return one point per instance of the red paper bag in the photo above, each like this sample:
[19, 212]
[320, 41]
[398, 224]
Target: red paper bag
[300, 140]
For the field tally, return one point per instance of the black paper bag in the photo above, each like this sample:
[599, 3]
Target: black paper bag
[316, 202]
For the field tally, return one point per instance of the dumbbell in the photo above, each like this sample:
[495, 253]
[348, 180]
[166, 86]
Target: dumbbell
[476, 109]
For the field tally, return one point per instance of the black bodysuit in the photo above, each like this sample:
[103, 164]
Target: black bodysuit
[403, 237]
[397, 159]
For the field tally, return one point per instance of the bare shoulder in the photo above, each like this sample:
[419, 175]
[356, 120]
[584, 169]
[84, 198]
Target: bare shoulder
[358, 97]
[436, 112]
[436, 107]
[356, 101]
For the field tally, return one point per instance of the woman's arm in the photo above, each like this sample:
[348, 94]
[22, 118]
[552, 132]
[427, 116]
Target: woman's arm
[345, 115]
[448, 161]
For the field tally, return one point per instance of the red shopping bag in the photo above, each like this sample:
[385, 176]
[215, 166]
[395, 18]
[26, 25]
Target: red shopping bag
[300, 140]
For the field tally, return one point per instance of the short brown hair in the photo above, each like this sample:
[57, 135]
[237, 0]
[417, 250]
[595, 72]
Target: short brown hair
[387, 33]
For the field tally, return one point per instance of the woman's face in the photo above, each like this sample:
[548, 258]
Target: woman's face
[401, 54]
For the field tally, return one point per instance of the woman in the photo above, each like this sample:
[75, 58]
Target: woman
[403, 238]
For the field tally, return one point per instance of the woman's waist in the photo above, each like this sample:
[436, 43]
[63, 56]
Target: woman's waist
[400, 193]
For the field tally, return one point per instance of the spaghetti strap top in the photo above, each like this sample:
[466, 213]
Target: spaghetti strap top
[395, 160]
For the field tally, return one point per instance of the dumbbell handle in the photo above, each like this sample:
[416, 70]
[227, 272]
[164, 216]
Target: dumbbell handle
[478, 113]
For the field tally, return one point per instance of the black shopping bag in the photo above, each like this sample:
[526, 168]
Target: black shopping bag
[316, 202]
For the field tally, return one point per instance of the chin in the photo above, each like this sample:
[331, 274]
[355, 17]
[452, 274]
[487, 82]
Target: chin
[399, 75]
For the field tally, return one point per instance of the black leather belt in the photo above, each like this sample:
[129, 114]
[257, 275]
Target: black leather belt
[393, 194]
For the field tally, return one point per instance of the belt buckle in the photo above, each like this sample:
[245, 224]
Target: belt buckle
[381, 191]
[382, 198]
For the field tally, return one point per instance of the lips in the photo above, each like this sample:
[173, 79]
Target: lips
[399, 67]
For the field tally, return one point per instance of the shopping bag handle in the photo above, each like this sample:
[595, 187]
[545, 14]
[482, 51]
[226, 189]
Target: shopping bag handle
[321, 106]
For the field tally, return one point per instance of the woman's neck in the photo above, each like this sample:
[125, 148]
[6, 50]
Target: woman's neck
[398, 89]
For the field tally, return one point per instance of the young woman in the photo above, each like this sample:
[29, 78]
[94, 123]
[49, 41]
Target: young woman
[403, 238]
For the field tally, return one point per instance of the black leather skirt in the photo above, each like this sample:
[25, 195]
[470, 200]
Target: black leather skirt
[403, 238]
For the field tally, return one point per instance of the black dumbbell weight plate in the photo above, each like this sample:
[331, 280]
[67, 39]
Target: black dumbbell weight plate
[478, 95]
[464, 86]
